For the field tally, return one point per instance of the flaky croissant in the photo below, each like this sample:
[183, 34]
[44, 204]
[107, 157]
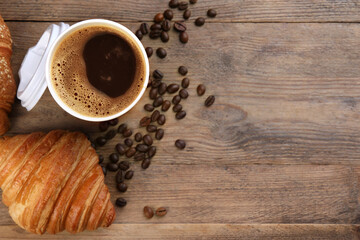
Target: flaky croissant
[53, 182]
[7, 82]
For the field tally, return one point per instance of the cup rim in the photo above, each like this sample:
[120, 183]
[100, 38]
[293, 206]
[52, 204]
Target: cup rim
[71, 29]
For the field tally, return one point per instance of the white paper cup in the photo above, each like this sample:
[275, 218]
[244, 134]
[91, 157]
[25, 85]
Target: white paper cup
[81, 25]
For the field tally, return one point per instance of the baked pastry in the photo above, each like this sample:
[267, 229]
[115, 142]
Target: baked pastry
[53, 182]
[7, 82]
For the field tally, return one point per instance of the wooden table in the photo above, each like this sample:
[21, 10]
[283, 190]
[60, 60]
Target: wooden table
[277, 156]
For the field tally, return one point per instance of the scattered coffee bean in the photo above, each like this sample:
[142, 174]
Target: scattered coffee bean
[156, 26]
[142, 148]
[154, 34]
[185, 83]
[104, 170]
[127, 133]
[187, 14]
[120, 148]
[138, 137]
[151, 128]
[162, 88]
[148, 140]
[151, 152]
[200, 21]
[145, 163]
[161, 53]
[145, 121]
[159, 134]
[183, 5]
[180, 144]
[129, 174]
[156, 83]
[113, 122]
[155, 115]
[130, 152]
[149, 107]
[159, 18]
[180, 26]
[212, 13]
[103, 126]
[114, 157]
[128, 142]
[201, 89]
[101, 158]
[144, 28]
[149, 51]
[180, 115]
[119, 177]
[166, 105]
[122, 187]
[120, 202]
[184, 37]
[164, 37]
[158, 101]
[148, 211]
[161, 211]
[101, 141]
[210, 101]
[177, 108]
[110, 134]
[161, 120]
[184, 93]
[174, 3]
[166, 25]
[173, 88]
[176, 99]
[138, 34]
[158, 75]
[122, 128]
[139, 156]
[168, 14]
[183, 70]
[124, 165]
[153, 93]
[112, 167]
[193, 1]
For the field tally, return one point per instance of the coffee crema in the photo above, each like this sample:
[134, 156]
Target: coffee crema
[98, 71]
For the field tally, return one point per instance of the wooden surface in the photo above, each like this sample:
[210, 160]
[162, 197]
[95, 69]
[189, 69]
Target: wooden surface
[277, 156]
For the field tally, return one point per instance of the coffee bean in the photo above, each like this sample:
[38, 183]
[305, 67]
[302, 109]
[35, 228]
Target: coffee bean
[173, 88]
[138, 34]
[161, 53]
[101, 141]
[127, 133]
[180, 144]
[144, 28]
[159, 134]
[156, 26]
[124, 165]
[161, 120]
[142, 148]
[200, 21]
[101, 158]
[112, 167]
[151, 152]
[184, 94]
[104, 170]
[120, 202]
[119, 177]
[155, 115]
[184, 37]
[139, 156]
[210, 101]
[162, 88]
[166, 105]
[154, 34]
[156, 83]
[201, 89]
[158, 101]
[158, 75]
[148, 140]
[212, 13]
[183, 5]
[114, 157]
[151, 128]
[138, 137]
[110, 134]
[180, 115]
[168, 14]
[180, 26]
[177, 108]
[185, 83]
[145, 163]
[149, 51]
[145, 121]
[159, 18]
[183, 70]
[128, 142]
[122, 128]
[129, 174]
[153, 93]
[122, 187]
[130, 152]
[120, 148]
[164, 37]
[113, 122]
[187, 14]
[149, 107]
[103, 126]
[161, 211]
[193, 1]
[148, 212]
[176, 99]
[166, 25]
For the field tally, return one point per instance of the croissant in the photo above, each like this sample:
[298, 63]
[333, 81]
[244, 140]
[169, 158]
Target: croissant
[7, 82]
[53, 182]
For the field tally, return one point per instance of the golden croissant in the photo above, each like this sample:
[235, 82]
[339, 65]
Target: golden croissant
[7, 82]
[53, 182]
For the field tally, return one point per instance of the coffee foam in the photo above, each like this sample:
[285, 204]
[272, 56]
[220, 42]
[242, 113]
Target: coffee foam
[69, 78]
